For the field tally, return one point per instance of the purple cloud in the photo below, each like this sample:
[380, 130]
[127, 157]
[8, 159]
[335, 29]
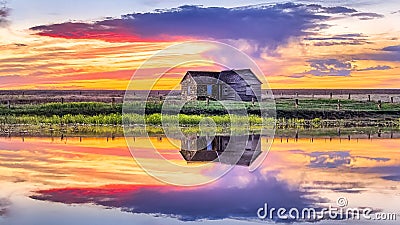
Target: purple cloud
[367, 16]
[4, 12]
[389, 53]
[332, 43]
[395, 48]
[340, 39]
[329, 67]
[267, 26]
[378, 67]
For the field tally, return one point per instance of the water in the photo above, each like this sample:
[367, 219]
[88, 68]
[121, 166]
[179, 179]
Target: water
[96, 181]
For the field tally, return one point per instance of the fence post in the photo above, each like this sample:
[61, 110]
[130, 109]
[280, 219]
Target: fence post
[369, 98]
[62, 100]
[391, 99]
[331, 94]
[379, 104]
[338, 104]
[8, 104]
[296, 103]
[349, 96]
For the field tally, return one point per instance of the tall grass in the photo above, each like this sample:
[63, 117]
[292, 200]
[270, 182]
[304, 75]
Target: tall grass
[118, 119]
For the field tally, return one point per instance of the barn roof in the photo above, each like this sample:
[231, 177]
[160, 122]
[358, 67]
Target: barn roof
[201, 74]
[223, 75]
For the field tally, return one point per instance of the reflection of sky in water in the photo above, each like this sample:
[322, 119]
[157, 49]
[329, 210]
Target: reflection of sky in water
[295, 174]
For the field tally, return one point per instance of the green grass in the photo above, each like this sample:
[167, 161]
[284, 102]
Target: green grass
[191, 120]
[74, 108]
[194, 112]
[193, 108]
[131, 119]
[331, 105]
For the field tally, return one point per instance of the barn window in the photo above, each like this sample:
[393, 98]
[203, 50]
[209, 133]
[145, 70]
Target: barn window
[209, 146]
[209, 89]
[248, 90]
[188, 90]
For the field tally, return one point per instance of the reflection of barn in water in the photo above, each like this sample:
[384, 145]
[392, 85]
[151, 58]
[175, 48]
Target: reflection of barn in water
[202, 149]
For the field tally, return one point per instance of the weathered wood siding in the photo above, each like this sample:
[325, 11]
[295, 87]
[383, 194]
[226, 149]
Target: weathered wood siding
[242, 87]
[188, 89]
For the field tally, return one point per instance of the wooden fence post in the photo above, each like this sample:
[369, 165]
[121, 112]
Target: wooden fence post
[296, 103]
[369, 98]
[338, 104]
[8, 104]
[331, 95]
[349, 96]
[391, 99]
[62, 100]
[379, 104]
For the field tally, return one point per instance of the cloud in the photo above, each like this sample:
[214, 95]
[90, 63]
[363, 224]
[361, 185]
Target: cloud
[395, 48]
[389, 53]
[268, 26]
[216, 201]
[328, 67]
[329, 159]
[378, 67]
[342, 187]
[391, 173]
[340, 39]
[367, 16]
[336, 159]
[341, 43]
[4, 12]
[4, 205]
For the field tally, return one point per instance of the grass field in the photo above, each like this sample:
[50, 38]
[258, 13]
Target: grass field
[309, 113]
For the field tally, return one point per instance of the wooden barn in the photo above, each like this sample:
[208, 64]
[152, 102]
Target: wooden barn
[234, 85]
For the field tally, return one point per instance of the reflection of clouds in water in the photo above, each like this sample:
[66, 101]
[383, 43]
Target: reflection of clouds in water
[4, 204]
[342, 186]
[238, 198]
[350, 163]
[391, 173]
[329, 159]
[334, 159]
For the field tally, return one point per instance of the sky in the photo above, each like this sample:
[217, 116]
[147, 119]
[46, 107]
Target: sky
[101, 44]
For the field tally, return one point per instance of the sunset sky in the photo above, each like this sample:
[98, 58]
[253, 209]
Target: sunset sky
[99, 44]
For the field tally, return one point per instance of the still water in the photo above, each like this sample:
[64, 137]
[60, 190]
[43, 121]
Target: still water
[95, 180]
